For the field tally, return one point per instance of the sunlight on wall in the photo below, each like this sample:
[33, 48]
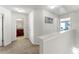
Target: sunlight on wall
[75, 50]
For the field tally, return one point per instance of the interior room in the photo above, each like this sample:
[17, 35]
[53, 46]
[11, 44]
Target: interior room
[39, 29]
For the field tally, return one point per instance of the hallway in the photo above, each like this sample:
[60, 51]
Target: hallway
[54, 28]
[20, 46]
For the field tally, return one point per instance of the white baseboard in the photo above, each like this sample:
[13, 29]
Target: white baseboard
[7, 43]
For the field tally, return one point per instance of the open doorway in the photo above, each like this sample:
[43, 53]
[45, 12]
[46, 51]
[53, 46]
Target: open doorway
[19, 28]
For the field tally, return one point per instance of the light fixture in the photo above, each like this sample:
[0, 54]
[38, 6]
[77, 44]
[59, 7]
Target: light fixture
[19, 19]
[52, 6]
[19, 10]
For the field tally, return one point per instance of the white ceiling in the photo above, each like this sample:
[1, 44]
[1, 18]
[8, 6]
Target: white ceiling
[64, 9]
[60, 10]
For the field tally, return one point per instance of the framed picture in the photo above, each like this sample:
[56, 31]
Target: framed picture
[48, 20]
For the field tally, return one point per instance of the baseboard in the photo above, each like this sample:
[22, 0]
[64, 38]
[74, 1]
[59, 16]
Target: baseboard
[34, 43]
[7, 43]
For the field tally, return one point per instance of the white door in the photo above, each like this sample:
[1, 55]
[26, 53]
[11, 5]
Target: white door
[0, 30]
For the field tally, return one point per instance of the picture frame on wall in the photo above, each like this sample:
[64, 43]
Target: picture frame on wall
[48, 20]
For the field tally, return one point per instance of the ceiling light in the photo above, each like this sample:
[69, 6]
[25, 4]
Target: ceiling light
[20, 10]
[52, 7]
[19, 19]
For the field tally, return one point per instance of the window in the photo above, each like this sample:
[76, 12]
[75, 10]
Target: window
[64, 25]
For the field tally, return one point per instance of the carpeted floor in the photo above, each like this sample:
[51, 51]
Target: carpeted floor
[20, 46]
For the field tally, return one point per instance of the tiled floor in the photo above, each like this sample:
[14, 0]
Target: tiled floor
[20, 46]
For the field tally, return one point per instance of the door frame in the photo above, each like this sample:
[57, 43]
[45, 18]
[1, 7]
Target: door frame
[2, 30]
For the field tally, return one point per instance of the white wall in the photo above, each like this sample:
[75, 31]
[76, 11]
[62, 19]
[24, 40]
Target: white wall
[26, 26]
[7, 25]
[50, 28]
[38, 26]
[35, 25]
[31, 26]
[57, 43]
[74, 25]
[75, 22]
[19, 16]
[1, 31]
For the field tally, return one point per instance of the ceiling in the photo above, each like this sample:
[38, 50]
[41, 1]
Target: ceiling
[60, 10]
[64, 9]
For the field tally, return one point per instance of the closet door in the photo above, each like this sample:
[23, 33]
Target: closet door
[0, 30]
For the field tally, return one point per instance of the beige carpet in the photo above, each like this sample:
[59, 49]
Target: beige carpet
[20, 46]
